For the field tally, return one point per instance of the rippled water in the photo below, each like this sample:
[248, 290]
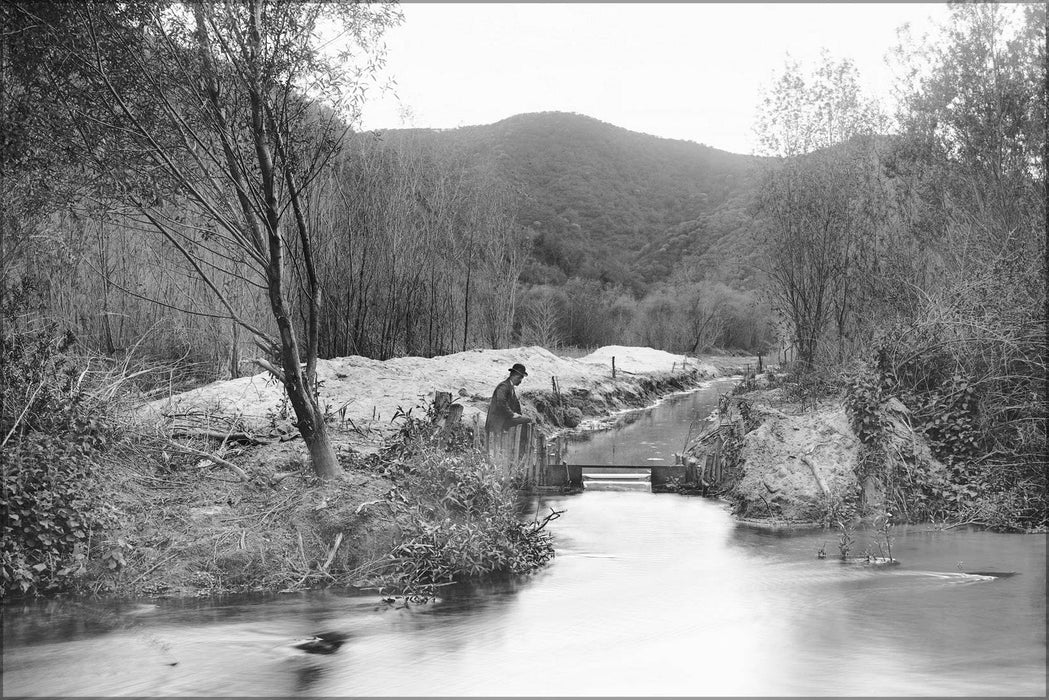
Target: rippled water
[650, 594]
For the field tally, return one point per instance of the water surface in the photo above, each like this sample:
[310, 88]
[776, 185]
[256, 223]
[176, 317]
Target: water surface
[650, 594]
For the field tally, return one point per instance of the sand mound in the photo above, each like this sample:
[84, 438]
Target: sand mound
[370, 392]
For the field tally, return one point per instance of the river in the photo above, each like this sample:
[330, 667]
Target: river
[649, 594]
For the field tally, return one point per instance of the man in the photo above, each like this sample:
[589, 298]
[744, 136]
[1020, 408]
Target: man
[505, 410]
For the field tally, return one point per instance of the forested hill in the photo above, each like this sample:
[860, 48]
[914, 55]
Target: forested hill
[611, 204]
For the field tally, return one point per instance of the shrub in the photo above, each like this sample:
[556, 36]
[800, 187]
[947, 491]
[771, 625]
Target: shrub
[460, 521]
[56, 428]
[51, 517]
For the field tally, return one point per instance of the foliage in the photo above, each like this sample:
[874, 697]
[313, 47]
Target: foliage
[230, 112]
[845, 541]
[883, 529]
[819, 199]
[864, 396]
[1005, 483]
[459, 520]
[52, 517]
[810, 386]
[924, 254]
[39, 386]
[56, 427]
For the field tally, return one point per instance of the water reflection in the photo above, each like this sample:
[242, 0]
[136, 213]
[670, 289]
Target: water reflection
[650, 436]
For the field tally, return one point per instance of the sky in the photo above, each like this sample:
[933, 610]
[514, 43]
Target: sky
[693, 71]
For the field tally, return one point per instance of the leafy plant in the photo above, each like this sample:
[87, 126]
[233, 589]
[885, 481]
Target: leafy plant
[845, 541]
[51, 517]
[460, 521]
[882, 527]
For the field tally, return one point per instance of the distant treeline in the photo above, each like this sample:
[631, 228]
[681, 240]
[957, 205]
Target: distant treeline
[418, 251]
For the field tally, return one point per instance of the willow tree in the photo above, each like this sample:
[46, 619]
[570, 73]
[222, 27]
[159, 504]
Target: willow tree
[209, 124]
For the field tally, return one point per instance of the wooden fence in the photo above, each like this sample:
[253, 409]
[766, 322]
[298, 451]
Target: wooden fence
[526, 452]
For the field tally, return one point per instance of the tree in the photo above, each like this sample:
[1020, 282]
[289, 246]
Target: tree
[540, 323]
[819, 128]
[973, 114]
[232, 111]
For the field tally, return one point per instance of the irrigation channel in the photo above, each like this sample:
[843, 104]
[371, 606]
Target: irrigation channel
[650, 594]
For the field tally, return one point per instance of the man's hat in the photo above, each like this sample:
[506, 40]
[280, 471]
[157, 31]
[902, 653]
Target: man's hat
[519, 368]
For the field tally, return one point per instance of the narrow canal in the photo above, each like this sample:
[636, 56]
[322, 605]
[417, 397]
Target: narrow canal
[650, 594]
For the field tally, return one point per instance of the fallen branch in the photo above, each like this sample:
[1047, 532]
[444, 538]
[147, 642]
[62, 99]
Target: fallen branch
[767, 506]
[552, 515]
[967, 522]
[331, 555]
[151, 569]
[243, 475]
[226, 437]
[816, 476]
[364, 505]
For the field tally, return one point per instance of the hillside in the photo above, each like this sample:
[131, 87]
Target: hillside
[611, 204]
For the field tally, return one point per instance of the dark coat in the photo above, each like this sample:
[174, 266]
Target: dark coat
[503, 407]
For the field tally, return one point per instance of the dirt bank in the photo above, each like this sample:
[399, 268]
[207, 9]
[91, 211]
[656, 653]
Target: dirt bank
[804, 465]
[798, 467]
[256, 519]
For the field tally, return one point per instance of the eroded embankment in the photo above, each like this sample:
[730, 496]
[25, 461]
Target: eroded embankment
[804, 465]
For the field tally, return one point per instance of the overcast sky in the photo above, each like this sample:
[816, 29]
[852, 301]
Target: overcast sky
[684, 70]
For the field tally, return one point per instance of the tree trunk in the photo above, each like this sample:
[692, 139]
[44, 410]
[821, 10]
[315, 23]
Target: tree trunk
[234, 357]
[311, 425]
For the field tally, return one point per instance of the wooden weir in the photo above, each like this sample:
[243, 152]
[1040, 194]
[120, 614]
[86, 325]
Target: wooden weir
[541, 463]
[525, 451]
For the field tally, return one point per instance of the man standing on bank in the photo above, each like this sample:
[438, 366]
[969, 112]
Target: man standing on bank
[505, 410]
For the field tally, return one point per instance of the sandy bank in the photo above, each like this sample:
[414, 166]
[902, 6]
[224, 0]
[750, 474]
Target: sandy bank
[364, 395]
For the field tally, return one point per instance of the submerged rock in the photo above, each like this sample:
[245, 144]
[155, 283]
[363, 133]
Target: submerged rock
[323, 643]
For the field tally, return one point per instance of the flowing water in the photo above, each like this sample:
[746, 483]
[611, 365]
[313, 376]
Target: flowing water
[650, 594]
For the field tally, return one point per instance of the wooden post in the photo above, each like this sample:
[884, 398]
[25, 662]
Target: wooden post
[515, 441]
[441, 401]
[613, 366]
[560, 400]
[539, 464]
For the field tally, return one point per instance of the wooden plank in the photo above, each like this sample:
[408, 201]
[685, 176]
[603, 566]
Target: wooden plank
[515, 438]
[620, 466]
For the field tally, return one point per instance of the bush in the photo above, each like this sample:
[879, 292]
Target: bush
[55, 430]
[51, 517]
[460, 521]
[979, 411]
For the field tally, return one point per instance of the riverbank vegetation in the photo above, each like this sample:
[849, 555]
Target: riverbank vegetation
[912, 268]
[100, 498]
[96, 503]
[186, 200]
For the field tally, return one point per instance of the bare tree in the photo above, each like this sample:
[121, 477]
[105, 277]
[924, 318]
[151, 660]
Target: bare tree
[812, 194]
[541, 322]
[233, 110]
